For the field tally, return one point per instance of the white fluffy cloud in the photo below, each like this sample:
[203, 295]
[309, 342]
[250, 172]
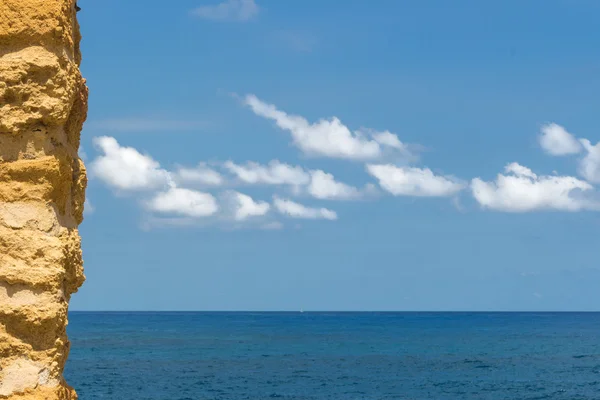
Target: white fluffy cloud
[589, 166]
[275, 173]
[517, 189]
[327, 138]
[246, 207]
[296, 210]
[201, 174]
[324, 186]
[409, 181]
[229, 10]
[521, 190]
[555, 140]
[125, 168]
[184, 202]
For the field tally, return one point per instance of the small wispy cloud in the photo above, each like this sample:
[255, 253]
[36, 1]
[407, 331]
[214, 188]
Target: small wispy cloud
[82, 153]
[300, 42]
[292, 209]
[272, 226]
[275, 173]
[229, 10]
[202, 174]
[316, 183]
[140, 124]
[88, 208]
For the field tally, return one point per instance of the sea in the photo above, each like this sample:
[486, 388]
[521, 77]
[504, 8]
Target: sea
[337, 356]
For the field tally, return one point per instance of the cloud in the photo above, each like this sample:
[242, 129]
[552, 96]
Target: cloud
[183, 202]
[589, 166]
[324, 186]
[135, 124]
[201, 174]
[297, 41]
[409, 181]
[246, 207]
[88, 208]
[317, 183]
[125, 168]
[275, 173]
[387, 138]
[521, 190]
[272, 226]
[82, 153]
[519, 170]
[229, 210]
[555, 140]
[229, 10]
[296, 210]
[327, 138]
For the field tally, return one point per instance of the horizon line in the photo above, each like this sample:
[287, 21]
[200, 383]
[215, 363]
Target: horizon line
[336, 311]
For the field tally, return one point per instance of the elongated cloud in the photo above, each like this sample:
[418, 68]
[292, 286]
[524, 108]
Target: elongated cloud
[296, 210]
[184, 202]
[408, 181]
[521, 190]
[555, 140]
[201, 174]
[316, 183]
[324, 186]
[275, 173]
[229, 10]
[246, 207]
[328, 138]
[125, 168]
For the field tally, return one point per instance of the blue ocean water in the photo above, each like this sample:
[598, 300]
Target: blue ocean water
[185, 356]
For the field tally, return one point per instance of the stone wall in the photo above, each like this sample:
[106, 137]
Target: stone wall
[43, 104]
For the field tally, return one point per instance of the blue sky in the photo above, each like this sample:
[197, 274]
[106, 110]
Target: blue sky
[356, 155]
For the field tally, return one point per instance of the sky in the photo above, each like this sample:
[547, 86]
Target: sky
[265, 155]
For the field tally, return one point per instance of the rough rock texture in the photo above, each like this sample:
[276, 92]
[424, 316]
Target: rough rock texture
[43, 103]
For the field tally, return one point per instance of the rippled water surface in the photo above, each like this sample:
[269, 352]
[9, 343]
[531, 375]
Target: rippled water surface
[334, 356]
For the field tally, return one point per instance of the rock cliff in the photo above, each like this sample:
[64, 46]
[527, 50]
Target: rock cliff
[43, 103]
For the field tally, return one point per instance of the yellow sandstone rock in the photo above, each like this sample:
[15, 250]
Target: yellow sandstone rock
[43, 104]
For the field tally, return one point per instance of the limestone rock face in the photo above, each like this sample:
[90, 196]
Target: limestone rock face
[43, 104]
